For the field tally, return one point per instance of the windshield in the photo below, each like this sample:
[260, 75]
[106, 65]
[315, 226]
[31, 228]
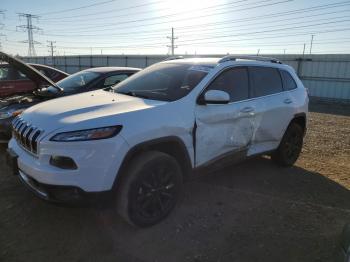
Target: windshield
[76, 81]
[167, 81]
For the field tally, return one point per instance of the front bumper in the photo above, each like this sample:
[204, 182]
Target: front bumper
[98, 163]
[62, 194]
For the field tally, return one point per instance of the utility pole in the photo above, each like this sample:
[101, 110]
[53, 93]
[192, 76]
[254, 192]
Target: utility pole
[304, 50]
[1, 35]
[172, 38]
[51, 50]
[2, 12]
[30, 29]
[312, 41]
[258, 52]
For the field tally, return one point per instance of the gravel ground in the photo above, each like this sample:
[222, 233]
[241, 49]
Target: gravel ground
[254, 211]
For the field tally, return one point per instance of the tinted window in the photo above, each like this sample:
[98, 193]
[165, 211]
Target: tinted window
[288, 81]
[233, 81]
[4, 73]
[115, 79]
[265, 81]
[164, 81]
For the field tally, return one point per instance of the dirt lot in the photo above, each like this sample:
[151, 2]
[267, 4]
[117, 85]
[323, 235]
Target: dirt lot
[254, 211]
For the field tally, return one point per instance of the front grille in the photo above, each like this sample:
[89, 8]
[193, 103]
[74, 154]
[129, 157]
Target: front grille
[26, 135]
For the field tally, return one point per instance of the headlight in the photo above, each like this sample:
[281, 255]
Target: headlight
[88, 134]
[10, 113]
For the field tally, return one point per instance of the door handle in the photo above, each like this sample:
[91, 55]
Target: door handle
[247, 109]
[287, 101]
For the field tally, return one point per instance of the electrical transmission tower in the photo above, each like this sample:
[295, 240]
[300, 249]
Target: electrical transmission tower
[2, 12]
[51, 50]
[172, 38]
[30, 29]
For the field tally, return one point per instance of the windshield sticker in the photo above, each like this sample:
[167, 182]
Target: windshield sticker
[205, 69]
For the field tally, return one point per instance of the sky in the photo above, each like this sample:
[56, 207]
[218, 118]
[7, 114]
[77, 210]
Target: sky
[200, 26]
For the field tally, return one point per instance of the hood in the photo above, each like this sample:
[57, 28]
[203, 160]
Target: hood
[88, 110]
[28, 70]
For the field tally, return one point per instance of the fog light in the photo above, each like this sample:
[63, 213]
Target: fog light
[63, 162]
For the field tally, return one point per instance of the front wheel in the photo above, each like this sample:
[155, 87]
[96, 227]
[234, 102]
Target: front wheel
[150, 188]
[290, 147]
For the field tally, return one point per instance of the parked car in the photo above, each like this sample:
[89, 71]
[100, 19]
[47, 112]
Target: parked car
[83, 81]
[141, 139]
[12, 81]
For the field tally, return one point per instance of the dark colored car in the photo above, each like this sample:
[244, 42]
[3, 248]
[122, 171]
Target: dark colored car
[83, 81]
[12, 81]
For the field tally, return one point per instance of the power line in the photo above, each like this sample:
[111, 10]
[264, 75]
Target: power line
[315, 8]
[150, 33]
[268, 37]
[29, 28]
[121, 23]
[193, 30]
[78, 8]
[303, 10]
[268, 31]
[109, 11]
[210, 8]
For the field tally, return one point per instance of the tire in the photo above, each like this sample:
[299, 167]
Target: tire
[150, 189]
[290, 147]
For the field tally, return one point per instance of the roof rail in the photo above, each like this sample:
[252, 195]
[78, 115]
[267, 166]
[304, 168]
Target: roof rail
[173, 58]
[249, 57]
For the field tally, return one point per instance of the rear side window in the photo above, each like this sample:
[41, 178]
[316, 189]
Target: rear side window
[233, 81]
[114, 79]
[265, 81]
[288, 81]
[4, 73]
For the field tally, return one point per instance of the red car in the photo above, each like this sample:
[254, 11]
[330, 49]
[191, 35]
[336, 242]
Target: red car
[13, 81]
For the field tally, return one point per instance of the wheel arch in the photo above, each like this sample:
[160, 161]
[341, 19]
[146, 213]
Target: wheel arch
[299, 119]
[170, 145]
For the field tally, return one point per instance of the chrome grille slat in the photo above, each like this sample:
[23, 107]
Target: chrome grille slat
[30, 138]
[22, 138]
[35, 141]
[15, 121]
[26, 135]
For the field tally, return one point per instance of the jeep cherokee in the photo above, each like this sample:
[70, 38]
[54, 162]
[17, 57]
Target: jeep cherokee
[141, 138]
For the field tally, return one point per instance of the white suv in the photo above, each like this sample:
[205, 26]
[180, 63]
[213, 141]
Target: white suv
[139, 140]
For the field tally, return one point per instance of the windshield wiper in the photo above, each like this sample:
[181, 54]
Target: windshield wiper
[134, 94]
[107, 88]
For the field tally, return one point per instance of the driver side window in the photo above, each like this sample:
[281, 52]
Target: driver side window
[233, 81]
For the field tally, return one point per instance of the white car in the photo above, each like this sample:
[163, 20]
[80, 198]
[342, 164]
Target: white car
[139, 140]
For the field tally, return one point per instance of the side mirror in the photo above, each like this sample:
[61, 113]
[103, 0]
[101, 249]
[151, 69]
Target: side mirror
[216, 97]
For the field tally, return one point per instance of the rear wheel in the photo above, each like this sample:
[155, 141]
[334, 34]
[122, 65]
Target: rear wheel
[150, 188]
[290, 147]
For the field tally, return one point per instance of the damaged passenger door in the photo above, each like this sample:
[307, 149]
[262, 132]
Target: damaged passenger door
[223, 128]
